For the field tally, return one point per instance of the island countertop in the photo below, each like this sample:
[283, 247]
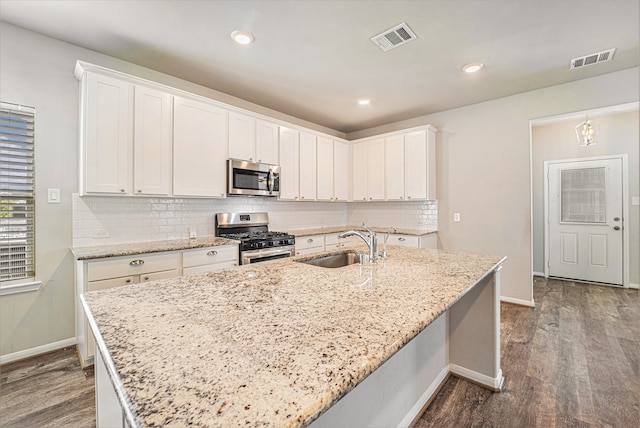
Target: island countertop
[269, 344]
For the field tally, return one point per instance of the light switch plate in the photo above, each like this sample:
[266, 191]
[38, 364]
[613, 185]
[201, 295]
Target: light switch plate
[53, 196]
[192, 232]
[635, 200]
[456, 216]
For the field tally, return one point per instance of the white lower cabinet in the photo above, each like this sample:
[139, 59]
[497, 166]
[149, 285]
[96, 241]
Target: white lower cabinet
[203, 260]
[309, 244]
[110, 272]
[331, 241]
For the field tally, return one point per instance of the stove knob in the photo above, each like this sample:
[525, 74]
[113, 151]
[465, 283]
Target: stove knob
[271, 243]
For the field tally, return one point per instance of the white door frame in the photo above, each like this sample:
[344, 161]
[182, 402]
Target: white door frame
[625, 211]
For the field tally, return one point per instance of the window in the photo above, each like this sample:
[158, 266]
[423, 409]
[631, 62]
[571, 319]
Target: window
[17, 193]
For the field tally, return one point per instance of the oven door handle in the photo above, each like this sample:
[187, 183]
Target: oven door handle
[246, 258]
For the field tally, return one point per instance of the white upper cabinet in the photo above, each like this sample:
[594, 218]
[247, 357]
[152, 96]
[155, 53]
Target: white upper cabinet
[253, 140]
[394, 167]
[152, 142]
[289, 164]
[368, 170]
[420, 165]
[341, 162]
[266, 142]
[107, 131]
[199, 149]
[325, 162]
[308, 167]
[242, 137]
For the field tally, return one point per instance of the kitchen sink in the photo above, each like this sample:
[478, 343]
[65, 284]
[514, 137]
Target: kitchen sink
[334, 260]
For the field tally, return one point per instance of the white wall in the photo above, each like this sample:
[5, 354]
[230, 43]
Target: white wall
[557, 140]
[483, 167]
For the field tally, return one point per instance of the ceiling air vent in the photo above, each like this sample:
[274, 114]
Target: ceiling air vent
[591, 59]
[394, 37]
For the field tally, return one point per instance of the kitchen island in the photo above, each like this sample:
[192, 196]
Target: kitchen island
[284, 343]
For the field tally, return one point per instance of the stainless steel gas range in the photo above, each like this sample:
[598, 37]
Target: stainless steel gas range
[257, 243]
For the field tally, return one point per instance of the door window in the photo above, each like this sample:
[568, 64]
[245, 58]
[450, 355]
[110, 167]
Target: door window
[583, 195]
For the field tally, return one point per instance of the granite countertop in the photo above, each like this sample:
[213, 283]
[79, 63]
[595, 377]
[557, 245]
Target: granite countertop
[338, 229]
[269, 344]
[86, 253]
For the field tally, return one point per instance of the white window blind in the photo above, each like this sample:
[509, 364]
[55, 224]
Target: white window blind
[17, 205]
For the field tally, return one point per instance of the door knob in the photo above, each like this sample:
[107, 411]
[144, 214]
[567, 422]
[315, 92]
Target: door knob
[616, 227]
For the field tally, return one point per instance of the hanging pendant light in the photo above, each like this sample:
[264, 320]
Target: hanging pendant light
[587, 131]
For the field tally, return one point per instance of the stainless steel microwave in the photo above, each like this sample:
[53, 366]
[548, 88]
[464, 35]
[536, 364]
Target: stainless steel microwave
[253, 179]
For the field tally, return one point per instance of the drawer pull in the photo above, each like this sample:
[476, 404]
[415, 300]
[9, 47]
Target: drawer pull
[128, 281]
[309, 240]
[212, 253]
[136, 262]
[146, 278]
[401, 239]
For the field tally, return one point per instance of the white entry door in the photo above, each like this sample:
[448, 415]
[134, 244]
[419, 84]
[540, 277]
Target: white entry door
[585, 220]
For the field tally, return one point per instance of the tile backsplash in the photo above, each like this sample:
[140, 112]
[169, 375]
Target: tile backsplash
[104, 220]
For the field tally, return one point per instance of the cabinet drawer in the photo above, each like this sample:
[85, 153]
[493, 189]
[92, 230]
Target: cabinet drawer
[305, 242]
[131, 265]
[404, 240]
[110, 283]
[159, 275]
[209, 255]
[308, 250]
[333, 238]
[208, 268]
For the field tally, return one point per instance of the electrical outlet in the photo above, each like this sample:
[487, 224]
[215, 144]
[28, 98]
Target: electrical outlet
[192, 232]
[101, 233]
[456, 216]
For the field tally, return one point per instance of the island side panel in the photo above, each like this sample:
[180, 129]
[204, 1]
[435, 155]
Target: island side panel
[474, 333]
[396, 393]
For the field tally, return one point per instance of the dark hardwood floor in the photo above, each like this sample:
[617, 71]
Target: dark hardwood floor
[573, 361]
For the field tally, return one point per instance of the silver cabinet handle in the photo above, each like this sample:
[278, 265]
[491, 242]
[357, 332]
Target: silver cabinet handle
[309, 240]
[212, 253]
[122, 190]
[616, 227]
[139, 190]
[146, 278]
[136, 262]
[616, 219]
[408, 197]
[401, 239]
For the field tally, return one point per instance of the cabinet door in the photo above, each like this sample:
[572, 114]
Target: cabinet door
[375, 170]
[394, 167]
[267, 142]
[242, 137]
[289, 149]
[199, 149]
[152, 142]
[308, 168]
[416, 165]
[340, 171]
[108, 132]
[359, 172]
[325, 169]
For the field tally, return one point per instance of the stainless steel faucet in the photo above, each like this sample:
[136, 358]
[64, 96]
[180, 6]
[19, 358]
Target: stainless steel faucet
[391, 230]
[371, 241]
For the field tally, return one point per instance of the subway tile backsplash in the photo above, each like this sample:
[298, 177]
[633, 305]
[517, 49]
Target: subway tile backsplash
[104, 220]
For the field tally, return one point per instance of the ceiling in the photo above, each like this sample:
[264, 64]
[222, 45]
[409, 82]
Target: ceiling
[314, 59]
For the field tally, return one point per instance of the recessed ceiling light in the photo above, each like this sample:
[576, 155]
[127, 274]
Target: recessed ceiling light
[364, 101]
[242, 37]
[473, 67]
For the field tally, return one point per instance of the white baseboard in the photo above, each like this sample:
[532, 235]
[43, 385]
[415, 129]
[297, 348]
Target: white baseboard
[538, 274]
[418, 407]
[37, 350]
[520, 302]
[636, 286]
[490, 382]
